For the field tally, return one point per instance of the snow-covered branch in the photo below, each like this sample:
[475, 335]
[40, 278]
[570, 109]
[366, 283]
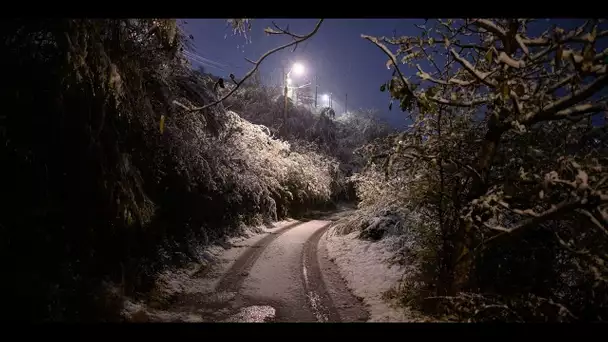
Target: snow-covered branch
[490, 26]
[562, 105]
[258, 62]
[481, 76]
[455, 103]
[393, 60]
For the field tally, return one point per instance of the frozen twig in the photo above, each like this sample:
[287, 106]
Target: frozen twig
[257, 65]
[461, 103]
[539, 218]
[504, 58]
[572, 36]
[560, 84]
[594, 220]
[481, 76]
[393, 59]
[490, 26]
[560, 108]
[280, 30]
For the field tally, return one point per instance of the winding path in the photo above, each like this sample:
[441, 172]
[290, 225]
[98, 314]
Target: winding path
[285, 277]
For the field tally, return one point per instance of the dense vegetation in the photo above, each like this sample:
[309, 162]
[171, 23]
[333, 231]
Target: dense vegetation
[338, 136]
[119, 160]
[109, 174]
[500, 184]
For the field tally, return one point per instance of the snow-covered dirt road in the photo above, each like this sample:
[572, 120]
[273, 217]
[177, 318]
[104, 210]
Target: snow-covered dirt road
[282, 275]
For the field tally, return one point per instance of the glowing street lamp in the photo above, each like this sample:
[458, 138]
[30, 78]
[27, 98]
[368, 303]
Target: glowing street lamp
[327, 99]
[298, 68]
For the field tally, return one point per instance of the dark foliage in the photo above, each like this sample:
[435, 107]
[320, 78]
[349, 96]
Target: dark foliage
[503, 166]
[105, 180]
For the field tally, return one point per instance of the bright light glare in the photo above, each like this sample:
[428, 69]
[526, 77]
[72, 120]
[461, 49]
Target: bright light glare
[298, 69]
[325, 97]
[289, 81]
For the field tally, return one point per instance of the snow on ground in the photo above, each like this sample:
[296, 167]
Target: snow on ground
[365, 268]
[140, 313]
[198, 277]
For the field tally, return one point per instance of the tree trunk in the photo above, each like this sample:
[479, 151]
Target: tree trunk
[463, 257]
[445, 276]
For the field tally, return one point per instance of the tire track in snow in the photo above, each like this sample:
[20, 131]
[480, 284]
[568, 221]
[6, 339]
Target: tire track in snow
[319, 299]
[234, 277]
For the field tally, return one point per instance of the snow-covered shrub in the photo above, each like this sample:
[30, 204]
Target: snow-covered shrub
[337, 135]
[391, 204]
[291, 177]
[506, 151]
[111, 177]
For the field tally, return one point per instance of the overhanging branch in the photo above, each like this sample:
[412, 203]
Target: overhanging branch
[393, 59]
[259, 61]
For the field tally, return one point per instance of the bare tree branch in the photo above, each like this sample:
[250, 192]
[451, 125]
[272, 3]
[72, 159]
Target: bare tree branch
[561, 105]
[522, 45]
[460, 103]
[504, 58]
[491, 27]
[481, 76]
[393, 59]
[472, 46]
[595, 221]
[257, 64]
[466, 166]
[569, 247]
[582, 109]
[560, 84]
[572, 36]
[556, 210]
[282, 31]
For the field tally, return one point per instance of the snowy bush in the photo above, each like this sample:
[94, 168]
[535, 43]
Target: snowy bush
[505, 159]
[338, 136]
[112, 177]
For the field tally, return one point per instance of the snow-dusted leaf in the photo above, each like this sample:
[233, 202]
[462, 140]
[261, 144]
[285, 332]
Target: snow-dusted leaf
[593, 34]
[489, 56]
[505, 90]
[270, 30]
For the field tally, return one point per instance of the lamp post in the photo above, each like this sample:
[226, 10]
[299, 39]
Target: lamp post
[298, 69]
[316, 88]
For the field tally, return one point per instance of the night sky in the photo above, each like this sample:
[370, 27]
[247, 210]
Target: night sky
[343, 61]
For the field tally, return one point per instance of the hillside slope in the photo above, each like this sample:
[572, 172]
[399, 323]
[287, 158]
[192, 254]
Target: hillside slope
[106, 181]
